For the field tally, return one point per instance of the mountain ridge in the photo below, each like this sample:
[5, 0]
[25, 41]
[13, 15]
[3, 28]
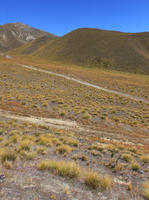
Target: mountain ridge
[13, 35]
[99, 48]
[88, 47]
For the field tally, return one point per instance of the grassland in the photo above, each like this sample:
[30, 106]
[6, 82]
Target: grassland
[107, 157]
[36, 93]
[30, 158]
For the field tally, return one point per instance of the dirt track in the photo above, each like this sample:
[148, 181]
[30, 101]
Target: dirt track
[50, 122]
[86, 83]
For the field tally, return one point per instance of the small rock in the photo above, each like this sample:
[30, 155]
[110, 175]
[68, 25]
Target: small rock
[141, 171]
[2, 177]
[29, 186]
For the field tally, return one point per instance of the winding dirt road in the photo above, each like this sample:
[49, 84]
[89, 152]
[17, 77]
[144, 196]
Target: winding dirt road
[86, 83]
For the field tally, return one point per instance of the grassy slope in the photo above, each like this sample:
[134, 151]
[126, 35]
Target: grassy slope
[33, 46]
[94, 47]
[130, 83]
[25, 147]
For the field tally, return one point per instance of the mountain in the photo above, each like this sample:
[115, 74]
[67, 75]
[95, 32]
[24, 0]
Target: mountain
[94, 48]
[34, 45]
[100, 48]
[14, 35]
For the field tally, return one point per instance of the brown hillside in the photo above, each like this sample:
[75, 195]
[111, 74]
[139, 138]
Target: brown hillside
[94, 47]
[14, 35]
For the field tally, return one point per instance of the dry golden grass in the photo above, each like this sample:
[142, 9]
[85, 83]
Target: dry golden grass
[25, 145]
[94, 180]
[63, 149]
[69, 100]
[72, 170]
[145, 158]
[135, 166]
[22, 91]
[62, 168]
[8, 156]
[127, 157]
[145, 188]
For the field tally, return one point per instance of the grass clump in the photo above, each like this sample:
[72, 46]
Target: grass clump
[87, 116]
[8, 156]
[105, 182]
[145, 158]
[70, 141]
[95, 153]
[146, 194]
[127, 157]
[63, 149]
[135, 166]
[97, 146]
[43, 140]
[7, 164]
[119, 166]
[29, 155]
[94, 180]
[145, 188]
[41, 151]
[62, 168]
[14, 138]
[25, 145]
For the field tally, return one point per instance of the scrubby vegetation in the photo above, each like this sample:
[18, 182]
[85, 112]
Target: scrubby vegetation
[105, 151]
[58, 152]
[24, 93]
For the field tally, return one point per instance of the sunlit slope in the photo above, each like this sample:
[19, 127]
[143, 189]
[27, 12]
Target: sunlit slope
[33, 46]
[94, 47]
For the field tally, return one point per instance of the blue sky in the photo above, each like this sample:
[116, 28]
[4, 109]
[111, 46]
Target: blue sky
[62, 16]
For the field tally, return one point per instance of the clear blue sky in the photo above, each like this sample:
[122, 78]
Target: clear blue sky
[61, 16]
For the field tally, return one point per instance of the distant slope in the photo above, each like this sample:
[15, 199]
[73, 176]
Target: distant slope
[14, 35]
[33, 46]
[95, 47]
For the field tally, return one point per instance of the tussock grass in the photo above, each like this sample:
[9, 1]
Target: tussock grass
[119, 166]
[135, 166]
[71, 170]
[87, 116]
[66, 169]
[127, 157]
[44, 140]
[105, 181]
[63, 149]
[8, 156]
[97, 146]
[95, 153]
[94, 180]
[41, 150]
[15, 138]
[7, 164]
[29, 155]
[145, 158]
[70, 141]
[25, 145]
[145, 190]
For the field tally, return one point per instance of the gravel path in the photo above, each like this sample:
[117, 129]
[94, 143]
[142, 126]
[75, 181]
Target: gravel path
[86, 83]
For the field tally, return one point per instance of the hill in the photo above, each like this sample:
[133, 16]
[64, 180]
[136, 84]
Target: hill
[14, 35]
[99, 48]
[34, 45]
